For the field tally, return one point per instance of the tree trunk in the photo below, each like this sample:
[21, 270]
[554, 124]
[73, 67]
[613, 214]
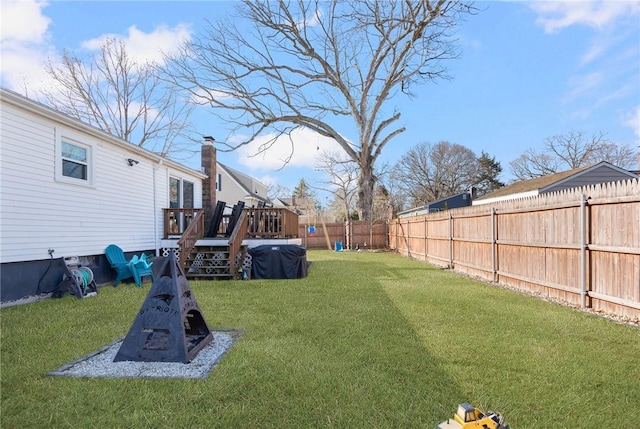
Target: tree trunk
[366, 183]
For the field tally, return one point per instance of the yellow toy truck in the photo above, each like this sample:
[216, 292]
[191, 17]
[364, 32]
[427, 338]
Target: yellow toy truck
[469, 417]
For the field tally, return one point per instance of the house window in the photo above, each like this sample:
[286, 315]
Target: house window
[219, 183]
[74, 159]
[174, 193]
[181, 196]
[181, 193]
[187, 192]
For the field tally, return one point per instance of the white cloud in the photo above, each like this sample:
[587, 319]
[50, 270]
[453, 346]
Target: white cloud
[146, 47]
[23, 21]
[268, 180]
[584, 85]
[609, 71]
[22, 68]
[556, 15]
[313, 21]
[632, 120]
[598, 48]
[302, 148]
[24, 45]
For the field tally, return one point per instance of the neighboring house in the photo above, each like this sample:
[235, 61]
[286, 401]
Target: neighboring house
[233, 186]
[73, 188]
[601, 172]
[462, 199]
[281, 202]
[304, 206]
[307, 209]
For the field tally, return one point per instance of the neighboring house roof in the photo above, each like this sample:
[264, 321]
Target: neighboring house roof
[287, 202]
[8, 96]
[600, 172]
[297, 204]
[281, 202]
[463, 199]
[303, 202]
[246, 182]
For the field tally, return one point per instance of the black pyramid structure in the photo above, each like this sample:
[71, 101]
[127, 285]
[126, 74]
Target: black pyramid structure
[169, 326]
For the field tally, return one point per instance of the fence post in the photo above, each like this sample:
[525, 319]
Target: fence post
[406, 241]
[425, 239]
[395, 232]
[494, 271]
[450, 240]
[583, 250]
[344, 235]
[350, 234]
[386, 234]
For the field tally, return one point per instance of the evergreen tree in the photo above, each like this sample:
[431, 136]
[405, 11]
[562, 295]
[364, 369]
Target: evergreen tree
[303, 190]
[487, 176]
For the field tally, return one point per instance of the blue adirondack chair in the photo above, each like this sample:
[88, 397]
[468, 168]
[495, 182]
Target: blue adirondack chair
[126, 269]
[140, 268]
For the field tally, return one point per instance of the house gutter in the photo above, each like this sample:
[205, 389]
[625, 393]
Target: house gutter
[15, 99]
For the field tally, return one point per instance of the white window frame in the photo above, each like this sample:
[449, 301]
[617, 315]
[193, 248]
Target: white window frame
[181, 190]
[79, 141]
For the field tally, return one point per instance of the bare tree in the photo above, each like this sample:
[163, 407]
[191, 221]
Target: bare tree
[124, 98]
[397, 197]
[429, 172]
[569, 151]
[382, 204]
[342, 177]
[275, 191]
[304, 63]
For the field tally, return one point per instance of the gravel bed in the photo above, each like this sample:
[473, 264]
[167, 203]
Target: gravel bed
[100, 363]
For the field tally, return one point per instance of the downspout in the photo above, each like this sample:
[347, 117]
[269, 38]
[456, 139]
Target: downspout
[155, 209]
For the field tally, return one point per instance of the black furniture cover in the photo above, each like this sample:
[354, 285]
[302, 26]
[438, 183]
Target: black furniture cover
[287, 261]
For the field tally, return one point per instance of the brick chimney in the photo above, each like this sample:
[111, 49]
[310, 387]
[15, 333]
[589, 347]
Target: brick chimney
[208, 159]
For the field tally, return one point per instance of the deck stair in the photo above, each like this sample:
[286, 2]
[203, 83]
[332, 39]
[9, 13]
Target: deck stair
[213, 261]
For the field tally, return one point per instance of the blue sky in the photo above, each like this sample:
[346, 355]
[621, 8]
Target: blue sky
[528, 71]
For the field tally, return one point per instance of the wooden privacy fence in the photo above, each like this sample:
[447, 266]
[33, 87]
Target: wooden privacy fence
[361, 234]
[580, 246]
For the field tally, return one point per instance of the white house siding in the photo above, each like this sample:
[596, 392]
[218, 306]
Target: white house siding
[233, 191]
[505, 198]
[230, 191]
[38, 212]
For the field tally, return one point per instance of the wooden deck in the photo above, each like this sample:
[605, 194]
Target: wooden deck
[223, 256]
[263, 223]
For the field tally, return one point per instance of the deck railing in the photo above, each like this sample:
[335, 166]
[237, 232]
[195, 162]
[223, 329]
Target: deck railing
[261, 222]
[176, 221]
[269, 222]
[235, 241]
[191, 235]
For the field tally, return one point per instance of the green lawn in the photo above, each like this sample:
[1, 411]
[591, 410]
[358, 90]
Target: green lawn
[367, 340]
